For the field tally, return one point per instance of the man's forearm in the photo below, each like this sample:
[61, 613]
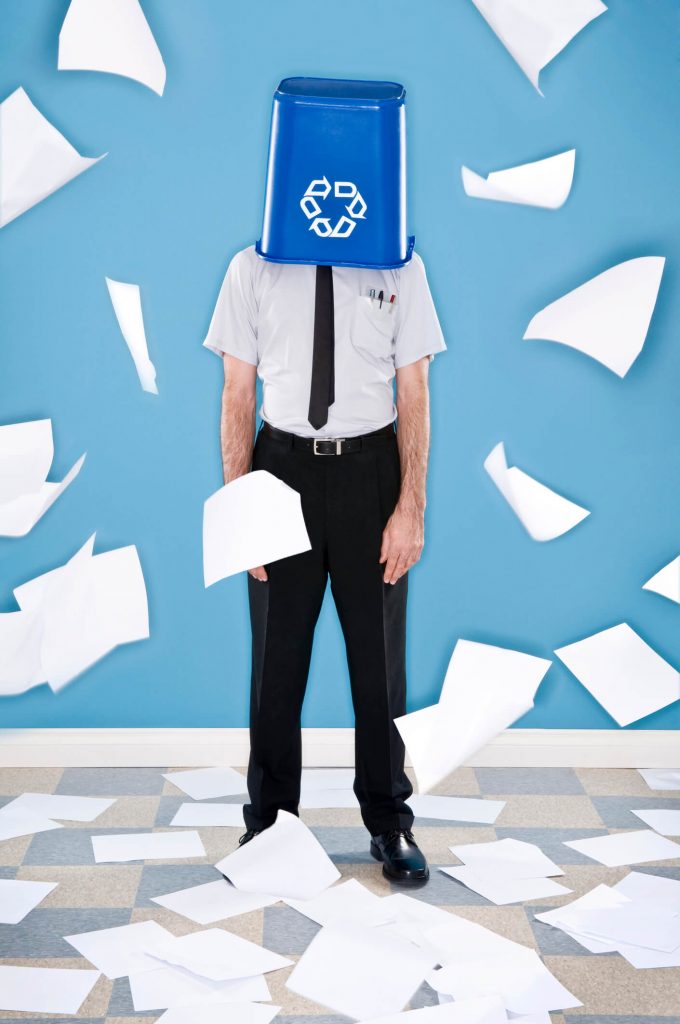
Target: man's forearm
[237, 431]
[413, 438]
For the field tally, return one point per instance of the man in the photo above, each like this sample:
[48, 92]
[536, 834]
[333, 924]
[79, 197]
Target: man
[327, 343]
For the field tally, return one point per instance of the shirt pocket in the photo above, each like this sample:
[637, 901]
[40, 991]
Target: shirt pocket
[373, 327]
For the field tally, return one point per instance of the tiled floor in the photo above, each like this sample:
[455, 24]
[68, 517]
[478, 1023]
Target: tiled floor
[544, 806]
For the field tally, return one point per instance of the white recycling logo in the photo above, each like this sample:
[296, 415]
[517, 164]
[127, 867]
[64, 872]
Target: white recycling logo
[320, 188]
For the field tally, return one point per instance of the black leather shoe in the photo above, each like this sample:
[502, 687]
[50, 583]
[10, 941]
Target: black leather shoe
[403, 861]
[248, 835]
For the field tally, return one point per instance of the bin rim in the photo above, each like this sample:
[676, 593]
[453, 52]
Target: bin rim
[410, 244]
[337, 99]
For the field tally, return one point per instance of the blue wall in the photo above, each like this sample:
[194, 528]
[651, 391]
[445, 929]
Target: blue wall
[181, 190]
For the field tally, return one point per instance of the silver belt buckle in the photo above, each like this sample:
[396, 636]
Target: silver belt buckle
[338, 442]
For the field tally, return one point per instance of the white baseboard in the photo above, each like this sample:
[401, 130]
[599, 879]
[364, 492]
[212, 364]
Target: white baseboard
[94, 748]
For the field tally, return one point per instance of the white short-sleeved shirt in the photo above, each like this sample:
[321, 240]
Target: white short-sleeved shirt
[265, 316]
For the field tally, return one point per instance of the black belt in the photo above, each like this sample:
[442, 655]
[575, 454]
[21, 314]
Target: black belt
[328, 445]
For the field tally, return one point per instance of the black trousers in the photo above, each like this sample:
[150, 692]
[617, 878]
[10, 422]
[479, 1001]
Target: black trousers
[346, 502]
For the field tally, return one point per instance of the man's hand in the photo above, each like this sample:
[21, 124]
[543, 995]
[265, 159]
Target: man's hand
[402, 542]
[260, 573]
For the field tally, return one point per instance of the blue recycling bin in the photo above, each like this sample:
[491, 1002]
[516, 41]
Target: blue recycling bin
[336, 175]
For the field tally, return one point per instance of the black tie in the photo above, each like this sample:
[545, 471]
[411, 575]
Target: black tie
[322, 393]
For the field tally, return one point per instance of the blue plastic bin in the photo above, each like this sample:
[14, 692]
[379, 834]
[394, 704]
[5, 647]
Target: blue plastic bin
[336, 175]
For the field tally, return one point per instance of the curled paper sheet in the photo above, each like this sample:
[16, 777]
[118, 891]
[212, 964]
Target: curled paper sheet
[35, 158]
[111, 36]
[544, 183]
[486, 689]
[535, 31]
[543, 513]
[251, 521]
[26, 452]
[608, 317]
[666, 581]
[622, 672]
[127, 305]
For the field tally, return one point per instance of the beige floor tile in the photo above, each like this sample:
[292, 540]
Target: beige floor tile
[130, 812]
[614, 782]
[369, 875]
[339, 817]
[435, 841]
[609, 985]
[13, 851]
[14, 781]
[525, 811]
[85, 886]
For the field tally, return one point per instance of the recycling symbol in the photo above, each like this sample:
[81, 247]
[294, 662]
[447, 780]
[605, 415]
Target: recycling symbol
[320, 189]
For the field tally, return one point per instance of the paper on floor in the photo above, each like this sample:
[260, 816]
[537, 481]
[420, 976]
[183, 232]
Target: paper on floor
[485, 690]
[35, 158]
[627, 848]
[111, 36]
[653, 889]
[63, 807]
[173, 986]
[608, 317]
[127, 305]
[502, 890]
[218, 955]
[348, 899]
[535, 31]
[45, 989]
[285, 860]
[203, 815]
[361, 972]
[207, 783]
[315, 779]
[622, 672]
[487, 1010]
[238, 1013]
[661, 778]
[667, 822]
[26, 453]
[666, 581]
[17, 821]
[213, 901]
[117, 952]
[147, 846]
[456, 808]
[544, 182]
[251, 521]
[631, 923]
[19, 898]
[512, 858]
[543, 513]
[328, 798]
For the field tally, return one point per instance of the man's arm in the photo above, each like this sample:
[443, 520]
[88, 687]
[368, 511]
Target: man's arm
[404, 534]
[237, 424]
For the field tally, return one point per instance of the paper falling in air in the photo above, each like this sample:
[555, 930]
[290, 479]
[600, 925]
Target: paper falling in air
[535, 31]
[285, 860]
[111, 36]
[545, 183]
[662, 820]
[543, 513]
[666, 581]
[26, 453]
[213, 901]
[45, 989]
[147, 846]
[251, 521]
[608, 317]
[622, 672]
[661, 778]
[19, 898]
[207, 783]
[35, 158]
[173, 986]
[127, 305]
[626, 848]
[486, 689]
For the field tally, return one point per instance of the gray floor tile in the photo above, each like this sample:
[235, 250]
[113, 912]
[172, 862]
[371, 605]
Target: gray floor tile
[160, 879]
[571, 1019]
[536, 781]
[425, 996]
[111, 781]
[120, 1003]
[552, 840]
[68, 845]
[443, 891]
[42, 932]
[169, 805]
[653, 869]
[616, 811]
[348, 845]
[7, 872]
[286, 931]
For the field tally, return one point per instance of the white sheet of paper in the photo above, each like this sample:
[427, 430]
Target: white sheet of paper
[20, 636]
[127, 305]
[173, 986]
[602, 896]
[543, 513]
[631, 923]
[666, 822]
[207, 783]
[666, 581]
[361, 972]
[622, 672]
[485, 690]
[501, 889]
[36, 159]
[19, 898]
[120, 951]
[456, 808]
[26, 453]
[653, 889]
[348, 899]
[218, 955]
[535, 31]
[284, 860]
[487, 1010]
[251, 521]
[511, 858]
[328, 798]
[238, 1013]
[111, 36]
[315, 779]
[627, 848]
[203, 815]
[451, 939]
[147, 846]
[17, 821]
[544, 182]
[213, 901]
[63, 807]
[661, 778]
[45, 989]
[608, 317]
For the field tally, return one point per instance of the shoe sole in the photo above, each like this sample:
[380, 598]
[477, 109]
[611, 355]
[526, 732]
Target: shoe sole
[402, 879]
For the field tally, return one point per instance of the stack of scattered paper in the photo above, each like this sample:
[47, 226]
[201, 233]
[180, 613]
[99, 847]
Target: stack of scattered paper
[506, 871]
